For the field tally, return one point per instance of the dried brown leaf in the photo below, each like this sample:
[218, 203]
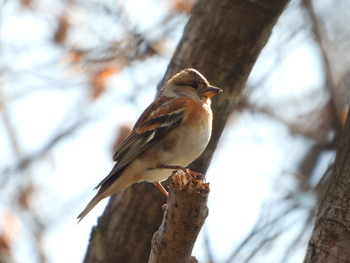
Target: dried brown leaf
[25, 196]
[62, 29]
[99, 78]
[26, 3]
[74, 56]
[181, 6]
[9, 227]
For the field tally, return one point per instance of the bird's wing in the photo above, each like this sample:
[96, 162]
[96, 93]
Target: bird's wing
[161, 117]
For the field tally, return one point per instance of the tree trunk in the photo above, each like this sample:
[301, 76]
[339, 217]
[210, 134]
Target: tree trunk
[222, 40]
[330, 239]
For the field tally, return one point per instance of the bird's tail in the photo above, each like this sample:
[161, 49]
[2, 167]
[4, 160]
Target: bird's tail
[107, 188]
[94, 201]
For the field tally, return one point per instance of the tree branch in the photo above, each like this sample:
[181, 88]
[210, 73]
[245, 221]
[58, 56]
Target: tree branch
[182, 221]
[330, 240]
[329, 78]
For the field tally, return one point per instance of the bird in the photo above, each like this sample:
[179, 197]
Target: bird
[170, 134]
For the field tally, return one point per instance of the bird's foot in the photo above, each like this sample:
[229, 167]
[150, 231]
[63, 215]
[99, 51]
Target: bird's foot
[162, 189]
[198, 176]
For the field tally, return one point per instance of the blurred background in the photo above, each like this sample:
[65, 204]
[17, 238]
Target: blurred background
[74, 77]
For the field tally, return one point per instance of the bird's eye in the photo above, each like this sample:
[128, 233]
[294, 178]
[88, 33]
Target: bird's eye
[193, 85]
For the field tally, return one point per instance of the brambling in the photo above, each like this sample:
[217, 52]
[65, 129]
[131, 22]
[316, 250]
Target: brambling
[170, 134]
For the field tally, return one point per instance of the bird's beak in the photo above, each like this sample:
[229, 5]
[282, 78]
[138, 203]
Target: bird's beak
[211, 91]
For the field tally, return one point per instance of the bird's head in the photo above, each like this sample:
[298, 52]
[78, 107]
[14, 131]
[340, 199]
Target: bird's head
[189, 83]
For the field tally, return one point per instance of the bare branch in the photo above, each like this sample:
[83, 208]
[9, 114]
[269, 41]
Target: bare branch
[329, 79]
[25, 161]
[184, 216]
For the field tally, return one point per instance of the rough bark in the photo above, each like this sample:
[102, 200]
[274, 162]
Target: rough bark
[184, 216]
[222, 40]
[330, 239]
